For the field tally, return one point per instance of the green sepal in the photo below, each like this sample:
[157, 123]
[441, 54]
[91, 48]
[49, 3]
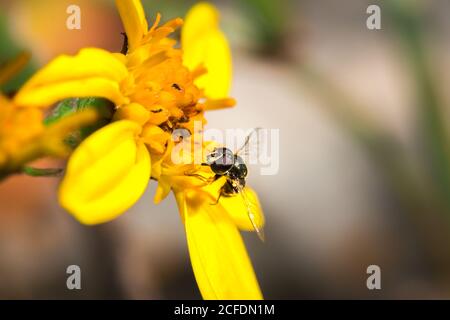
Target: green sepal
[103, 107]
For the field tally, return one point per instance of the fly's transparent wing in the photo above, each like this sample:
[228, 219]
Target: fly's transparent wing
[250, 211]
[250, 149]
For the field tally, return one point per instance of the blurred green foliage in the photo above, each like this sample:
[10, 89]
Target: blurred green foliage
[268, 20]
[432, 126]
[418, 180]
[9, 50]
[169, 9]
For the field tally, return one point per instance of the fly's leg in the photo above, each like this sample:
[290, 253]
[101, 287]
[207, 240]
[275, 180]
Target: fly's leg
[218, 198]
[200, 177]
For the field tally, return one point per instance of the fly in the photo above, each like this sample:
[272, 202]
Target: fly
[223, 162]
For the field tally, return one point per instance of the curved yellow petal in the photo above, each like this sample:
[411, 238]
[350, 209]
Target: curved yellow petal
[155, 137]
[106, 174]
[205, 45]
[48, 94]
[201, 18]
[162, 191]
[219, 259]
[238, 208]
[134, 21]
[92, 72]
[134, 112]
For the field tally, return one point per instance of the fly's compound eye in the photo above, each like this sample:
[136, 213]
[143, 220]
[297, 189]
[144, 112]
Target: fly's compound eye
[239, 169]
[221, 160]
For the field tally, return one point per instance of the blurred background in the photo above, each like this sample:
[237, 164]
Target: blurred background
[364, 156]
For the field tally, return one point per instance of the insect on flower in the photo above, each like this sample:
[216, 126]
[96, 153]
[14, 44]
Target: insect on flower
[224, 162]
[157, 87]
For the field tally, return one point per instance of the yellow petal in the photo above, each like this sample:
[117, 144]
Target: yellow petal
[159, 159]
[209, 192]
[162, 191]
[219, 259]
[92, 72]
[205, 45]
[219, 104]
[106, 174]
[4, 101]
[155, 137]
[238, 208]
[134, 112]
[48, 94]
[201, 18]
[134, 21]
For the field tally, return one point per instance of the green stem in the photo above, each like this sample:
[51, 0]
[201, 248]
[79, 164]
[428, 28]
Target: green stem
[42, 172]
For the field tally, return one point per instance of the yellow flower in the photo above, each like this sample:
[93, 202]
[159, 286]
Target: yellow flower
[18, 126]
[23, 136]
[156, 89]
